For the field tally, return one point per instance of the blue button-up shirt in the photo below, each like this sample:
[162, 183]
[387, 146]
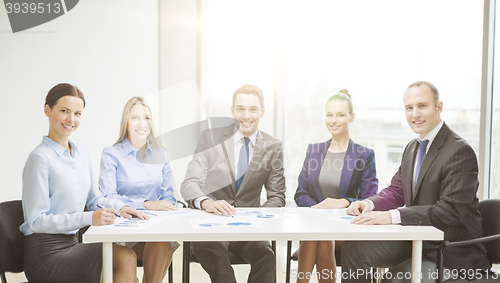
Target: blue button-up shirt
[56, 187]
[126, 176]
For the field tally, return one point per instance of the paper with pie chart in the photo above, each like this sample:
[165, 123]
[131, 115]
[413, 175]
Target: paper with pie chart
[226, 221]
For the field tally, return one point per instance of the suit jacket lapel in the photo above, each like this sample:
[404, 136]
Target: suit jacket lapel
[228, 143]
[431, 155]
[254, 163]
[408, 170]
[347, 170]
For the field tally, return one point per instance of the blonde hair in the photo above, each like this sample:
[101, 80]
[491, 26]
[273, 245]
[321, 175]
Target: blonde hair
[152, 137]
[343, 94]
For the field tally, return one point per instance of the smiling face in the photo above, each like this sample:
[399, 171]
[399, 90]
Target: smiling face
[422, 112]
[64, 118]
[247, 110]
[139, 126]
[338, 118]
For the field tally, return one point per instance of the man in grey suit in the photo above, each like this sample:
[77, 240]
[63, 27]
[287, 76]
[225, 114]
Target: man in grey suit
[229, 168]
[436, 185]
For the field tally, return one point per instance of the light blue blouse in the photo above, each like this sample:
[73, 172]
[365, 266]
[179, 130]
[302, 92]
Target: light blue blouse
[56, 187]
[126, 176]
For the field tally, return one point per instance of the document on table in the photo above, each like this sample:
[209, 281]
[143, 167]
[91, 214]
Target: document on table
[252, 213]
[225, 221]
[170, 213]
[343, 218]
[133, 223]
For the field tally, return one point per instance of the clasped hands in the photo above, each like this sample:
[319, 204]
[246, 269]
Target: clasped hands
[361, 209]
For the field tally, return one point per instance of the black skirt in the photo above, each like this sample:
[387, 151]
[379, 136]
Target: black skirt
[58, 258]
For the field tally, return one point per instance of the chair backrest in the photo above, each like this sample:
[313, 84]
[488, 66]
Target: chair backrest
[11, 239]
[490, 212]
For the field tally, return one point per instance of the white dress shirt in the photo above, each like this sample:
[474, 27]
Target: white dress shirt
[238, 143]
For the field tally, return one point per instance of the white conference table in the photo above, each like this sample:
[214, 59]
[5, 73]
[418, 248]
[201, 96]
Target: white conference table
[285, 224]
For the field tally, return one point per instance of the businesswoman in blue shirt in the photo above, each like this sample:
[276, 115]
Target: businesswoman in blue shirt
[334, 174]
[58, 182]
[136, 170]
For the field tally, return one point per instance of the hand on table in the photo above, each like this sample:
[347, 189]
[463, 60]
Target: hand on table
[128, 212]
[159, 205]
[218, 207]
[358, 207]
[332, 203]
[373, 218]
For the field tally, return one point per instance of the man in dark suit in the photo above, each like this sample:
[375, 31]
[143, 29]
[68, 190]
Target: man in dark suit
[435, 185]
[229, 168]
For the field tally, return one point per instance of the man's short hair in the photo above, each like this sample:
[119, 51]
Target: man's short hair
[250, 89]
[433, 89]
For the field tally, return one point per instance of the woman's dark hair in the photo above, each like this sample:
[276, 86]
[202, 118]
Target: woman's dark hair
[61, 90]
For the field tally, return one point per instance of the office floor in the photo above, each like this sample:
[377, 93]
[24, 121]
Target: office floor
[198, 275]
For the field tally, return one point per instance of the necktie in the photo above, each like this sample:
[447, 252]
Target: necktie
[242, 163]
[420, 158]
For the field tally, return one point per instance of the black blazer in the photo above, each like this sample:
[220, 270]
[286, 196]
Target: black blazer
[445, 197]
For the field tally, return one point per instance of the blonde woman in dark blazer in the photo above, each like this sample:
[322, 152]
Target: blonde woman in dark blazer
[334, 174]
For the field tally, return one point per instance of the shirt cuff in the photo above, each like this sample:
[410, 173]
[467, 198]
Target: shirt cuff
[87, 218]
[197, 202]
[372, 206]
[395, 216]
[138, 203]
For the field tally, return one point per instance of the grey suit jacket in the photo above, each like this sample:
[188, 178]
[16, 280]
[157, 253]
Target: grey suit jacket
[211, 171]
[445, 196]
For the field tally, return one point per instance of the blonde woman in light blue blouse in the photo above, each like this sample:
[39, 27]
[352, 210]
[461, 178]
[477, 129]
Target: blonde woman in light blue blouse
[58, 182]
[136, 170]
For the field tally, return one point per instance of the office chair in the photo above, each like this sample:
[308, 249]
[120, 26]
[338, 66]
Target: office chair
[11, 239]
[188, 257]
[490, 210]
[295, 257]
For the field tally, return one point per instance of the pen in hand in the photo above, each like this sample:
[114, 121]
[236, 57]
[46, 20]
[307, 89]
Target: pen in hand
[100, 206]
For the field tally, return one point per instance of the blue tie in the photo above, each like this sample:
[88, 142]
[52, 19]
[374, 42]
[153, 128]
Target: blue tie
[420, 158]
[242, 163]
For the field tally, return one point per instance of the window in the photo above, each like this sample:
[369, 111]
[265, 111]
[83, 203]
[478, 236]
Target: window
[375, 49]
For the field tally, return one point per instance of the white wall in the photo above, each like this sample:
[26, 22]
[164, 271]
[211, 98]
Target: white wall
[109, 49]
[179, 99]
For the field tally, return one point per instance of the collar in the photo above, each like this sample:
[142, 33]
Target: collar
[128, 147]
[238, 136]
[56, 147]
[432, 134]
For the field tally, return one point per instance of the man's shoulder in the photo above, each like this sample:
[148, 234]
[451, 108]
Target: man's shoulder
[452, 139]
